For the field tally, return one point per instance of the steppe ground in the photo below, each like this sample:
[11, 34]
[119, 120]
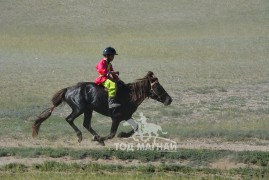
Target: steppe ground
[211, 56]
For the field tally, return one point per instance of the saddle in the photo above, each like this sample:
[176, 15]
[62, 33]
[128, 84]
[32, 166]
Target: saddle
[120, 85]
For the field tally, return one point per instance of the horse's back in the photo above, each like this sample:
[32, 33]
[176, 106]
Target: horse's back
[121, 86]
[81, 84]
[83, 89]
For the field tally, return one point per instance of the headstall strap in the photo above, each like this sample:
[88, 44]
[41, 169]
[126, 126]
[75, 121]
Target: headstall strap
[153, 83]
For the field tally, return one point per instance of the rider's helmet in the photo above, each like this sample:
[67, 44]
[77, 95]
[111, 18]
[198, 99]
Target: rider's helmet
[109, 51]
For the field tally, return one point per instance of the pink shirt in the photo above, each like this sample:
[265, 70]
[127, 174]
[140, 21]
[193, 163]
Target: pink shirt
[103, 68]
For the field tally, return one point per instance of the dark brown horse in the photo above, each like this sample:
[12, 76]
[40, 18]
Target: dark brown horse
[87, 97]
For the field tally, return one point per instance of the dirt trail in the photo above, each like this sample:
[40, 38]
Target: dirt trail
[87, 143]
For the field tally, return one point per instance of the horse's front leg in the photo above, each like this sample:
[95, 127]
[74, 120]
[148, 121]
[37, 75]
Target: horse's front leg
[130, 133]
[113, 130]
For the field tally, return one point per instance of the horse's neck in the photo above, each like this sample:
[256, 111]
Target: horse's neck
[139, 102]
[144, 87]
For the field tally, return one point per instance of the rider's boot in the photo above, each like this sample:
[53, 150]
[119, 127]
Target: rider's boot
[113, 108]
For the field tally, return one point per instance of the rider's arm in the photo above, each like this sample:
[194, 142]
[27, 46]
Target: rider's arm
[115, 74]
[102, 68]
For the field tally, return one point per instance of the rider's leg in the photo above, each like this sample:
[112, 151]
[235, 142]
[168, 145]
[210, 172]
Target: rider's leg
[112, 89]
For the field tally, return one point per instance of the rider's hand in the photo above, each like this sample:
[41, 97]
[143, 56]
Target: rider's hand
[115, 72]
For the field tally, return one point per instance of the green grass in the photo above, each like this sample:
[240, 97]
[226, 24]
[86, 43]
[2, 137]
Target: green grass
[87, 175]
[196, 157]
[197, 166]
[210, 56]
[133, 172]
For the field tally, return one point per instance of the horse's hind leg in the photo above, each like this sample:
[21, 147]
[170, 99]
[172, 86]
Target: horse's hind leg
[87, 122]
[70, 119]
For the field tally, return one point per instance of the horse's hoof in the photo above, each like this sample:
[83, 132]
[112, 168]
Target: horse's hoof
[121, 135]
[79, 135]
[79, 139]
[95, 138]
[102, 143]
[124, 135]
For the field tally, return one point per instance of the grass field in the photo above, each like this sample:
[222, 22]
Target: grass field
[210, 56]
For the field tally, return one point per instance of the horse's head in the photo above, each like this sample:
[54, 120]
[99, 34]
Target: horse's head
[157, 92]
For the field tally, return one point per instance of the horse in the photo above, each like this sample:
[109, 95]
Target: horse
[86, 97]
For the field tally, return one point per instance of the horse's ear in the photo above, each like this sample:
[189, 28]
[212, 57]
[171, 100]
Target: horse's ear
[150, 74]
[152, 78]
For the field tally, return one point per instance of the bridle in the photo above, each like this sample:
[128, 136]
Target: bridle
[152, 90]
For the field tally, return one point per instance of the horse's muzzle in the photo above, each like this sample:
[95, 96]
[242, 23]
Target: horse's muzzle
[168, 100]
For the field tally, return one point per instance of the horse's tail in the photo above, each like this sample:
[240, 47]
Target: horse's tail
[56, 100]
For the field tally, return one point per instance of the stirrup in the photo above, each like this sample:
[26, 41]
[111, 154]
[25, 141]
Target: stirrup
[113, 104]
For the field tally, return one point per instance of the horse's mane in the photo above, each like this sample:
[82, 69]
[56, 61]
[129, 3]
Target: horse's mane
[139, 88]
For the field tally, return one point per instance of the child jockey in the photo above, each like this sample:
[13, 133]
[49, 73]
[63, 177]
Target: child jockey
[107, 76]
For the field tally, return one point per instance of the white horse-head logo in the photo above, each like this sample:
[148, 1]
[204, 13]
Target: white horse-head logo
[146, 131]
